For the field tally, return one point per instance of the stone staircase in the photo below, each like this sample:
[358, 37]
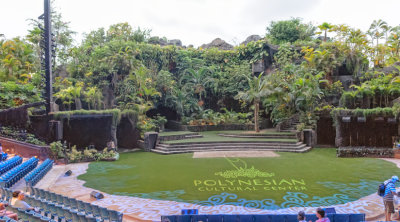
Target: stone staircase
[289, 125]
[266, 136]
[297, 147]
[179, 137]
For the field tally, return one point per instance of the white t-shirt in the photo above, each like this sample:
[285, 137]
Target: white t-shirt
[12, 202]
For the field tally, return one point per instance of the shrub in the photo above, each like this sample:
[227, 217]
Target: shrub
[74, 156]
[57, 150]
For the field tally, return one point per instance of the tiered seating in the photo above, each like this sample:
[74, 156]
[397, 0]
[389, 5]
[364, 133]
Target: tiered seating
[261, 218]
[5, 218]
[9, 164]
[14, 175]
[70, 209]
[3, 156]
[37, 174]
[29, 216]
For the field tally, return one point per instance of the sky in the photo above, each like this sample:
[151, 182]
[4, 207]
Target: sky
[198, 21]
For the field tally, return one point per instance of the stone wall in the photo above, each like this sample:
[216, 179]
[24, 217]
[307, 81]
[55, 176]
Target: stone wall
[364, 152]
[326, 131]
[127, 133]
[373, 132]
[18, 116]
[26, 150]
[174, 125]
[87, 130]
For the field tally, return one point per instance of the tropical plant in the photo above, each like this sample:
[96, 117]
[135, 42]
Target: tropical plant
[257, 90]
[325, 27]
[289, 31]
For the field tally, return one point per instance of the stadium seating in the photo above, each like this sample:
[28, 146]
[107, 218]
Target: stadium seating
[9, 164]
[3, 156]
[260, 218]
[38, 173]
[16, 173]
[57, 206]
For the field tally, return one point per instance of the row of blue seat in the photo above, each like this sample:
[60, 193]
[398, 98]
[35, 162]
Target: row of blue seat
[260, 218]
[38, 173]
[3, 156]
[7, 219]
[17, 173]
[82, 209]
[9, 164]
[6, 195]
[28, 215]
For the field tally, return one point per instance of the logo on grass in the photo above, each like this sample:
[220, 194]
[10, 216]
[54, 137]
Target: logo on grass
[245, 178]
[241, 170]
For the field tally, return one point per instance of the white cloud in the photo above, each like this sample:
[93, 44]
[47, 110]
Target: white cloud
[198, 21]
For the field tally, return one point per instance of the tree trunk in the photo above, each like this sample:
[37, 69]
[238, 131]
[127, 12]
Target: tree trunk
[78, 104]
[325, 37]
[256, 110]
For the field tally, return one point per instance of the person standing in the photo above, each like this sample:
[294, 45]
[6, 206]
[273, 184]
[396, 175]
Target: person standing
[390, 191]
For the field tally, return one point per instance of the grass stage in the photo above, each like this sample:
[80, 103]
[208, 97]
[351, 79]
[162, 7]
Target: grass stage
[309, 179]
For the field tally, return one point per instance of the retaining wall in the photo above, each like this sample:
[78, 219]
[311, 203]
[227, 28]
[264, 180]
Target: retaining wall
[26, 150]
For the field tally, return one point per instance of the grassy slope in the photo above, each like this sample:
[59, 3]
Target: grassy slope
[148, 172]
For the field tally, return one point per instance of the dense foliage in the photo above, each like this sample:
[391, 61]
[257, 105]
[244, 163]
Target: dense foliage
[121, 67]
[290, 31]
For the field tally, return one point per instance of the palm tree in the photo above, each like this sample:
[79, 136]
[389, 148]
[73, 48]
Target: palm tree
[325, 27]
[257, 90]
[196, 80]
[379, 28]
[93, 97]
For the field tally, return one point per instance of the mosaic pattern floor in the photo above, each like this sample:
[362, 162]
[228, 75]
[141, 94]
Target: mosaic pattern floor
[144, 209]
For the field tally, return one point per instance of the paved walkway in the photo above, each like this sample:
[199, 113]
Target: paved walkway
[141, 209]
[215, 154]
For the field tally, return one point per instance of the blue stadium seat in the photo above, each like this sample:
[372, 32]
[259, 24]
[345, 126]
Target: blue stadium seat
[231, 218]
[357, 217]
[196, 218]
[168, 218]
[261, 218]
[341, 217]
[215, 218]
[246, 218]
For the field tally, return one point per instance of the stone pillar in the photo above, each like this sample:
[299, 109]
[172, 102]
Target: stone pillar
[338, 139]
[310, 138]
[150, 141]
[55, 130]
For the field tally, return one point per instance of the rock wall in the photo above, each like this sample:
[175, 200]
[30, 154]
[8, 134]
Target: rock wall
[374, 132]
[326, 131]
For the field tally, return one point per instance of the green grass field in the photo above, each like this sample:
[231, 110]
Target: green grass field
[318, 174]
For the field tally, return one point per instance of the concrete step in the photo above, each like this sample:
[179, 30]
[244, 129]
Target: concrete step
[179, 137]
[302, 150]
[211, 145]
[193, 136]
[230, 143]
[231, 147]
[288, 130]
[299, 146]
[271, 136]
